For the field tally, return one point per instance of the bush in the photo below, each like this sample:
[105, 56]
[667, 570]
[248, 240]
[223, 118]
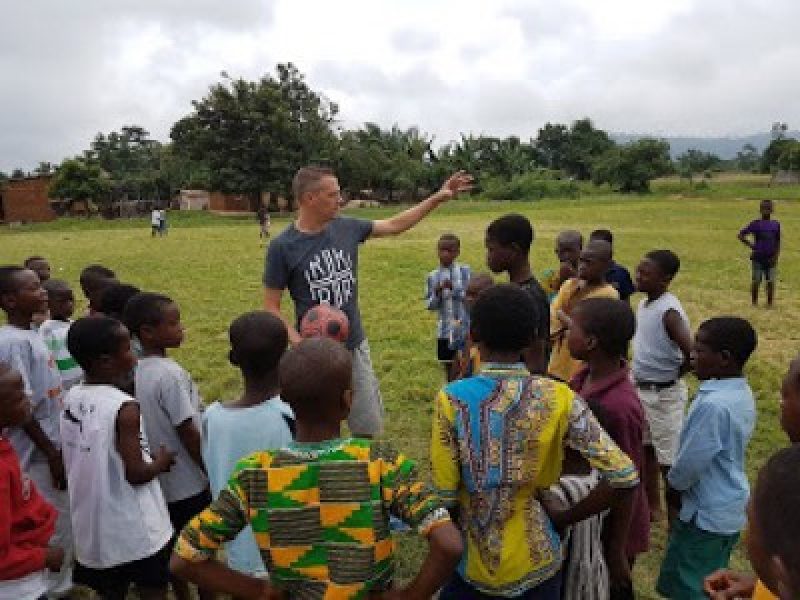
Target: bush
[530, 186]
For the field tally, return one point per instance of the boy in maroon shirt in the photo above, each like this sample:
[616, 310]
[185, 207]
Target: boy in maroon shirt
[599, 334]
[27, 521]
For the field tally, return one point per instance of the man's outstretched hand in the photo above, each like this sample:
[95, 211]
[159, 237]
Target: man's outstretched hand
[456, 184]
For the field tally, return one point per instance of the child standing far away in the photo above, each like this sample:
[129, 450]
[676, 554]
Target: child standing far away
[498, 438]
[170, 405]
[122, 528]
[569, 244]
[94, 280]
[589, 283]
[445, 288]
[661, 347]
[508, 245]
[61, 301]
[709, 471]
[41, 267]
[37, 442]
[617, 275]
[599, 333]
[27, 521]
[258, 420]
[319, 507]
[766, 247]
[468, 359]
[781, 543]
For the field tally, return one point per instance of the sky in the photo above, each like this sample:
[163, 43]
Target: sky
[69, 70]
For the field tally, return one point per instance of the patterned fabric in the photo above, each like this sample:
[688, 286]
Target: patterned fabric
[453, 321]
[497, 438]
[319, 513]
[551, 281]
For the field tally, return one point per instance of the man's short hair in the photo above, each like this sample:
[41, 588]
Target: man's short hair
[90, 338]
[667, 261]
[730, 334]
[307, 179]
[115, 297]
[611, 321]
[506, 318]
[602, 234]
[95, 277]
[258, 341]
[511, 229]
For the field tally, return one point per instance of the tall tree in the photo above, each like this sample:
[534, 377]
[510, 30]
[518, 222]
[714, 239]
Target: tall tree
[631, 168]
[77, 180]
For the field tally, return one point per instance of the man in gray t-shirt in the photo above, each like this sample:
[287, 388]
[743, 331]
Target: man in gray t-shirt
[316, 259]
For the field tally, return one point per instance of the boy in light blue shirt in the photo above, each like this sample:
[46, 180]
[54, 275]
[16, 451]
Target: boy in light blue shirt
[256, 421]
[709, 471]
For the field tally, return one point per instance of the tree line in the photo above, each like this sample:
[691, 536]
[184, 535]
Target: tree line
[248, 137]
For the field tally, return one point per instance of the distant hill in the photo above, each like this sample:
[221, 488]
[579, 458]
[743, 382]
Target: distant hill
[724, 147]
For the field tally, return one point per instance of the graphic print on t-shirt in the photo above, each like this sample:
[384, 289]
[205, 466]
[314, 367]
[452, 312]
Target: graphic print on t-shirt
[330, 277]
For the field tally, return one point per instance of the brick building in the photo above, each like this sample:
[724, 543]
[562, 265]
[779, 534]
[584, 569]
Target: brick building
[25, 200]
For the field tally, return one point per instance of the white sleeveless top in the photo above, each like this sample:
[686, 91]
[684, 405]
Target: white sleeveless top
[113, 522]
[656, 358]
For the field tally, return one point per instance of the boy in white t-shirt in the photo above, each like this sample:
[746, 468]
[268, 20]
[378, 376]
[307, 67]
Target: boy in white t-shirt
[37, 442]
[170, 404]
[119, 518]
[259, 419]
[61, 301]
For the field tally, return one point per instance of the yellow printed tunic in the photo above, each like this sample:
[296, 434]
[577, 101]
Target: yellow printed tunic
[497, 438]
[319, 514]
[562, 365]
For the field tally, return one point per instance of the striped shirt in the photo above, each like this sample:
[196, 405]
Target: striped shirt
[54, 333]
[453, 319]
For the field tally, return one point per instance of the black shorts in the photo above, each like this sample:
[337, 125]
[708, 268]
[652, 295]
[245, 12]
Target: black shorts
[182, 511]
[443, 350]
[113, 582]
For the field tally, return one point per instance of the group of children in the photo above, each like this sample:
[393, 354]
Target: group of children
[547, 448]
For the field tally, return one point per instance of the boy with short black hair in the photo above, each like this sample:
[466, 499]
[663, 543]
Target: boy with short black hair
[39, 265]
[709, 471]
[617, 275]
[94, 280]
[170, 404]
[445, 288]
[590, 282]
[122, 528]
[37, 441]
[599, 334]
[114, 298]
[766, 248]
[319, 506]
[258, 420]
[61, 302]
[569, 244]
[27, 521]
[661, 347]
[508, 244]
[498, 439]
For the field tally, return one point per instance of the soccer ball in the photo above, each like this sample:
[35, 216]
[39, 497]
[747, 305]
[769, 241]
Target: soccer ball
[323, 320]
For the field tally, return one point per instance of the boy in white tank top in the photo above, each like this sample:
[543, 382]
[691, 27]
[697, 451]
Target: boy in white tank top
[120, 522]
[661, 347]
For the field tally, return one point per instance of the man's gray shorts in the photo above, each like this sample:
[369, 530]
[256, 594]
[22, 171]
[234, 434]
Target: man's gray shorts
[366, 414]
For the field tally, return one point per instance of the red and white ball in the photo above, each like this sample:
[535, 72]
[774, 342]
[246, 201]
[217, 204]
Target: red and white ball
[324, 320]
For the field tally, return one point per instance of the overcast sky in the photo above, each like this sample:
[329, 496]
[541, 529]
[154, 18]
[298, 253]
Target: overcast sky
[72, 69]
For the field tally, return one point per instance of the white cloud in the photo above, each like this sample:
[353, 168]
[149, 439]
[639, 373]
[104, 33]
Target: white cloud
[72, 69]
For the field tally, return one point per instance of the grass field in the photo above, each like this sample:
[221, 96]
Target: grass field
[212, 266]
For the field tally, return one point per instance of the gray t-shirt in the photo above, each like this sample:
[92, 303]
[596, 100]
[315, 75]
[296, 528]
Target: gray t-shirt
[167, 397]
[320, 268]
[26, 352]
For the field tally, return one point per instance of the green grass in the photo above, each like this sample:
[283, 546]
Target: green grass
[212, 266]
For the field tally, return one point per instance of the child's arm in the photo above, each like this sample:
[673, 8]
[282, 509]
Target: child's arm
[192, 440]
[445, 466]
[745, 231]
[137, 470]
[176, 400]
[214, 576]
[679, 333]
[433, 294]
[702, 439]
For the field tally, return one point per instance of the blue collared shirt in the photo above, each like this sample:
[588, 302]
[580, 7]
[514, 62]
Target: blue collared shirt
[709, 466]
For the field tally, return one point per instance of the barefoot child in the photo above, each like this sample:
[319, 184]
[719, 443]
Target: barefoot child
[27, 521]
[119, 517]
[259, 420]
[319, 507]
[709, 471]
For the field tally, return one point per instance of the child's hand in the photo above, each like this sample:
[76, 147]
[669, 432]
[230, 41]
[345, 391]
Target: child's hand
[54, 558]
[563, 318]
[447, 284]
[270, 592]
[727, 585]
[58, 475]
[553, 508]
[164, 459]
[566, 271]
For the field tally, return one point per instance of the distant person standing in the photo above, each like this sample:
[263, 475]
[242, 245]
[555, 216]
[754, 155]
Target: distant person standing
[155, 222]
[263, 221]
[316, 259]
[766, 247]
[162, 224]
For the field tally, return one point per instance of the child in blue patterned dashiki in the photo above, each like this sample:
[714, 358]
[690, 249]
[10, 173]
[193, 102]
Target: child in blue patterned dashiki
[445, 289]
[498, 441]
